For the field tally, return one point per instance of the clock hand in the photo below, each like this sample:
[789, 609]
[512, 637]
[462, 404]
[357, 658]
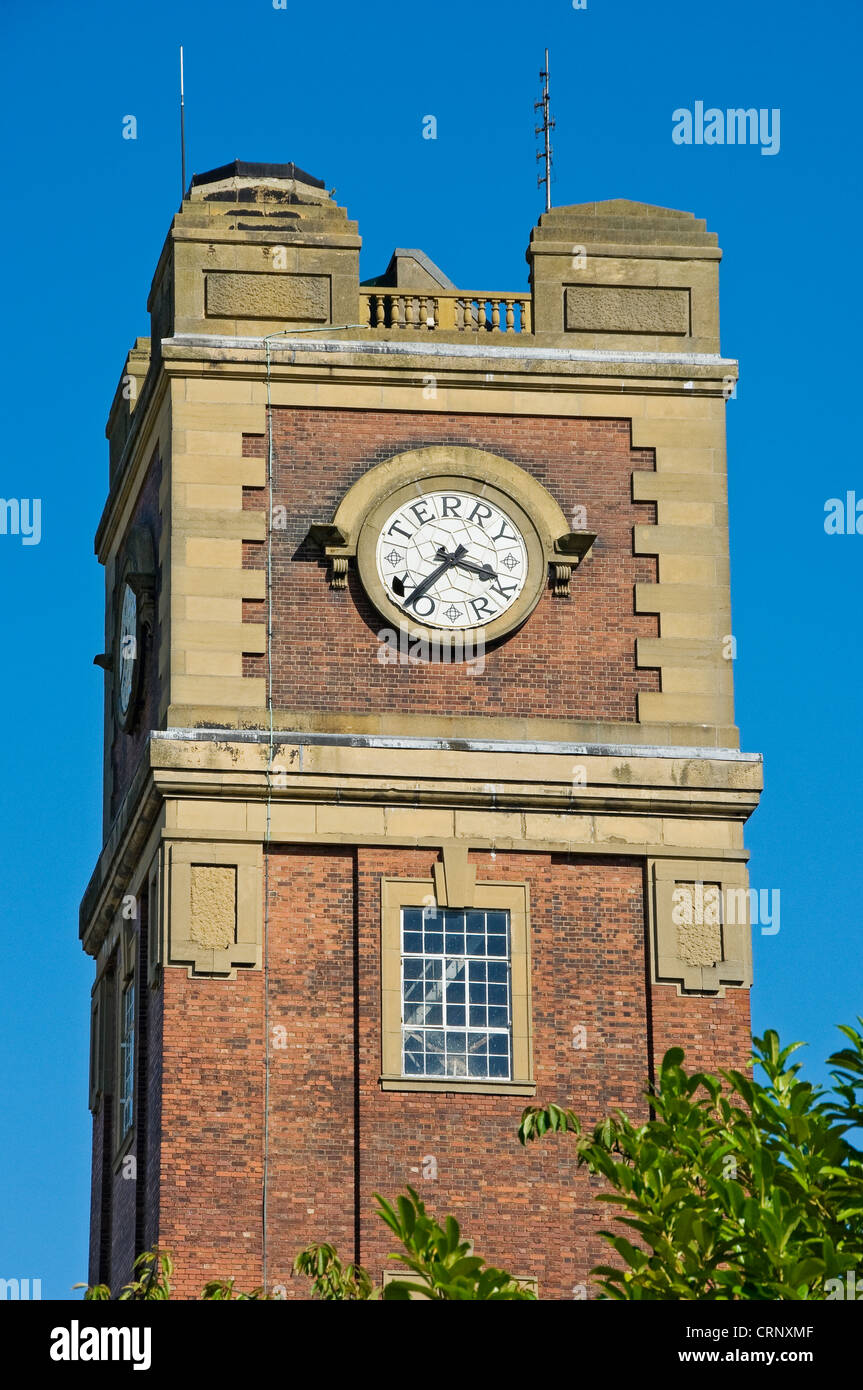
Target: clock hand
[484, 571]
[431, 579]
[398, 586]
[443, 554]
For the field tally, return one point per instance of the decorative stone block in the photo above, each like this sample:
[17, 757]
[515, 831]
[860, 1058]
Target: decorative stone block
[626, 309]
[240, 295]
[215, 907]
[699, 928]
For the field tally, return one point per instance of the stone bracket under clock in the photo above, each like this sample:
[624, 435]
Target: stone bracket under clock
[487, 475]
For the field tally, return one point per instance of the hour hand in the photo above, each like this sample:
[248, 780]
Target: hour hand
[484, 571]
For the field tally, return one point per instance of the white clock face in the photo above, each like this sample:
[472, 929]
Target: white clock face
[128, 654]
[451, 560]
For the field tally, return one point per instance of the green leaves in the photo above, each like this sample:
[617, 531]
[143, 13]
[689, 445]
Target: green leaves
[154, 1268]
[331, 1280]
[537, 1121]
[222, 1290]
[736, 1189]
[444, 1264]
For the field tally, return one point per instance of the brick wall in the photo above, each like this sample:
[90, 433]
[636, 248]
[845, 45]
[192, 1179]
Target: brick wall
[124, 1203]
[575, 656]
[711, 1031]
[211, 1114]
[335, 1138]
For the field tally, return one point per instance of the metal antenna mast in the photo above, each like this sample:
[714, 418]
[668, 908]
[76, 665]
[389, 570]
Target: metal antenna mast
[182, 130]
[545, 130]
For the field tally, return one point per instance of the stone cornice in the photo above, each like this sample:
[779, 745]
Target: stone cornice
[620, 251]
[516, 357]
[567, 748]
[548, 797]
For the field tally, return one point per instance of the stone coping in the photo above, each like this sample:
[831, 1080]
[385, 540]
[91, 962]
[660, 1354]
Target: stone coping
[427, 348]
[467, 745]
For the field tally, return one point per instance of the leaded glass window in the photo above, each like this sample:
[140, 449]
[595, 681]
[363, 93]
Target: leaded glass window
[456, 993]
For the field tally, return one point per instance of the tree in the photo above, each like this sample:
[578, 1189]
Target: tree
[734, 1188]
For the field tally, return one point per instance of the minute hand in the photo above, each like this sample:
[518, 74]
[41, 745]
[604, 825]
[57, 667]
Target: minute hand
[431, 579]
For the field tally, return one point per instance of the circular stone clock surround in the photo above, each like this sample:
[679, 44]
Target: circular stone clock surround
[470, 487]
[452, 483]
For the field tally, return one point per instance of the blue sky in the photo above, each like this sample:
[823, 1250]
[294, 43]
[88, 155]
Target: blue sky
[342, 90]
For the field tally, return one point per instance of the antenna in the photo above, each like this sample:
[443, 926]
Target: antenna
[545, 130]
[182, 131]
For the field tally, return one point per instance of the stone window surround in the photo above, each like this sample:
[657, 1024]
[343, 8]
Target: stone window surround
[511, 897]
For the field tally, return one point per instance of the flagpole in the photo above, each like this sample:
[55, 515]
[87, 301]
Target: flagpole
[182, 130]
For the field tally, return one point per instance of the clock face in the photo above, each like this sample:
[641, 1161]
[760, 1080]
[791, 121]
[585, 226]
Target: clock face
[127, 649]
[451, 559]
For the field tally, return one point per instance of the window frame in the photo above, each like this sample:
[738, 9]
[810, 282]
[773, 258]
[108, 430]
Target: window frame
[508, 897]
[127, 977]
[125, 1064]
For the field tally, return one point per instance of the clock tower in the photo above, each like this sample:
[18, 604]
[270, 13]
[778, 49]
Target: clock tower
[423, 796]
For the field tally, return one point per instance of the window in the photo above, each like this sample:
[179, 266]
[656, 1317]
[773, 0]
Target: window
[456, 995]
[127, 1058]
[154, 922]
[455, 989]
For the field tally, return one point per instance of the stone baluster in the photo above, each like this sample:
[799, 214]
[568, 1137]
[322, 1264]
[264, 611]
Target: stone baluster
[510, 316]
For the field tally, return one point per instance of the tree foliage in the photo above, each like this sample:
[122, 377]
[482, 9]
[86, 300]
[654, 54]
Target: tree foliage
[734, 1188]
[153, 1268]
[331, 1280]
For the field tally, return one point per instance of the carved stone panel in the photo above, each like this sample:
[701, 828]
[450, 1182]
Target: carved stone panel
[700, 925]
[626, 309]
[215, 907]
[240, 295]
